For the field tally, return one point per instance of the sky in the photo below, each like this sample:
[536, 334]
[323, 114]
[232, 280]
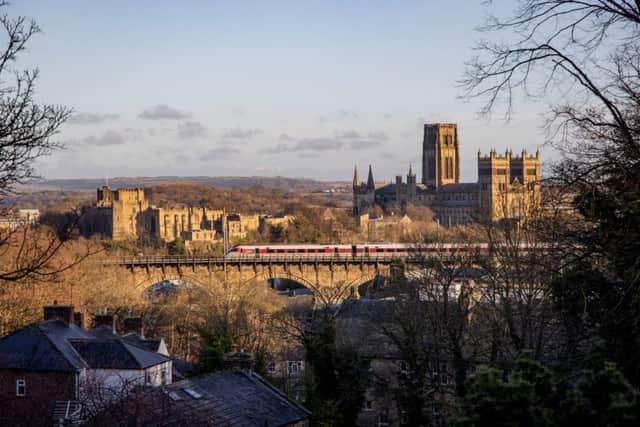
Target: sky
[303, 89]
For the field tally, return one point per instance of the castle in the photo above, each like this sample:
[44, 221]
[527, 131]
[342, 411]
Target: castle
[126, 214]
[508, 185]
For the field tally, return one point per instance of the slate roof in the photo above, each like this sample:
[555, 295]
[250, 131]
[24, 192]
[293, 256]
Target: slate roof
[44, 347]
[462, 187]
[54, 345]
[146, 343]
[387, 189]
[234, 398]
[116, 354]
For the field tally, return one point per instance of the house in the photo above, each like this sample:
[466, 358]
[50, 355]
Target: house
[54, 365]
[364, 324]
[234, 397]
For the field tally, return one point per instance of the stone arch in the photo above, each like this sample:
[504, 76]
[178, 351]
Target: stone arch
[147, 280]
[264, 276]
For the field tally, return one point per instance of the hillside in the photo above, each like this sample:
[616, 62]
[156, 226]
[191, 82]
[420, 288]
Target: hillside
[283, 183]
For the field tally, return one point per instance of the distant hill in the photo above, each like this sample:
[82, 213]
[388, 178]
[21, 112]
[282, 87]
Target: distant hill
[251, 194]
[278, 182]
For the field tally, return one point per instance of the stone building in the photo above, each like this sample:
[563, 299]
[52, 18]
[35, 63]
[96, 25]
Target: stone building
[126, 214]
[120, 209]
[508, 186]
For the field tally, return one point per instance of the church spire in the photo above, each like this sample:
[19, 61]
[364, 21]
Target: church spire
[356, 177]
[370, 183]
[410, 170]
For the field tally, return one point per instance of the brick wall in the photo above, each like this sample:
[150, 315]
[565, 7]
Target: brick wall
[43, 389]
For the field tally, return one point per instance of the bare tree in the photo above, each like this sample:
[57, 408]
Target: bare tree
[26, 128]
[27, 131]
[583, 58]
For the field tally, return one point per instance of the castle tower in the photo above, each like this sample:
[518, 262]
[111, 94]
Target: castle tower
[440, 154]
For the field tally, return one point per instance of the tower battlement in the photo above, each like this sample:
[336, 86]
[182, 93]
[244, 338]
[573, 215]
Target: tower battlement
[508, 155]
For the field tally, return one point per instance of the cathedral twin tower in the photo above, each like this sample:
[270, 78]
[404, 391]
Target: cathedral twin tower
[508, 186]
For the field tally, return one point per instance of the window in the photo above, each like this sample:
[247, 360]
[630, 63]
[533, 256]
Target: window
[404, 368]
[383, 419]
[21, 387]
[271, 367]
[404, 419]
[294, 367]
[368, 405]
[191, 392]
[163, 377]
[531, 171]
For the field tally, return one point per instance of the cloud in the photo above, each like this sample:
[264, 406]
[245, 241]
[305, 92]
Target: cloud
[110, 137]
[378, 136]
[163, 112]
[220, 151]
[242, 133]
[347, 114]
[361, 144]
[189, 130]
[91, 118]
[351, 139]
[306, 144]
[318, 144]
[340, 115]
[354, 135]
[280, 148]
[347, 134]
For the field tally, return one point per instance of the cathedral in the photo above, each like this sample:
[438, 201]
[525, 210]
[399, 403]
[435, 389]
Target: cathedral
[508, 185]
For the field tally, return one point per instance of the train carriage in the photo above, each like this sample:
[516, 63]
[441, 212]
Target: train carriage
[340, 250]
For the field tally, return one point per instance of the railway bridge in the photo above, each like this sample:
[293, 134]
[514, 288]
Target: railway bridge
[321, 273]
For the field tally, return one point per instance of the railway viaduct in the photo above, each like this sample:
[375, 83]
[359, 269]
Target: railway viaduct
[323, 274]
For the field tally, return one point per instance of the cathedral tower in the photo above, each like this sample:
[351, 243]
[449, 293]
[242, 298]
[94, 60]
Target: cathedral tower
[411, 185]
[440, 154]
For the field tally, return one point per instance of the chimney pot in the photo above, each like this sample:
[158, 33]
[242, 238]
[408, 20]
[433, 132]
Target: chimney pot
[106, 320]
[134, 324]
[78, 319]
[237, 359]
[61, 312]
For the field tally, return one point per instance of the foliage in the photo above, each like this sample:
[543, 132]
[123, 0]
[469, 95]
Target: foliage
[339, 375]
[213, 347]
[583, 58]
[532, 395]
[177, 247]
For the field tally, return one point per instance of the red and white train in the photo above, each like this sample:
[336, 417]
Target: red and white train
[401, 249]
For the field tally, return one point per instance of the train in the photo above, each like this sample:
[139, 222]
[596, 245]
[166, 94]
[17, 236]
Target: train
[401, 249]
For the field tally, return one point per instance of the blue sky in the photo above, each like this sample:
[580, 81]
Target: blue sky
[299, 88]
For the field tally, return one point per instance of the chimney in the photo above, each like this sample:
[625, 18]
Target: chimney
[133, 324]
[78, 319]
[106, 320]
[237, 359]
[61, 312]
